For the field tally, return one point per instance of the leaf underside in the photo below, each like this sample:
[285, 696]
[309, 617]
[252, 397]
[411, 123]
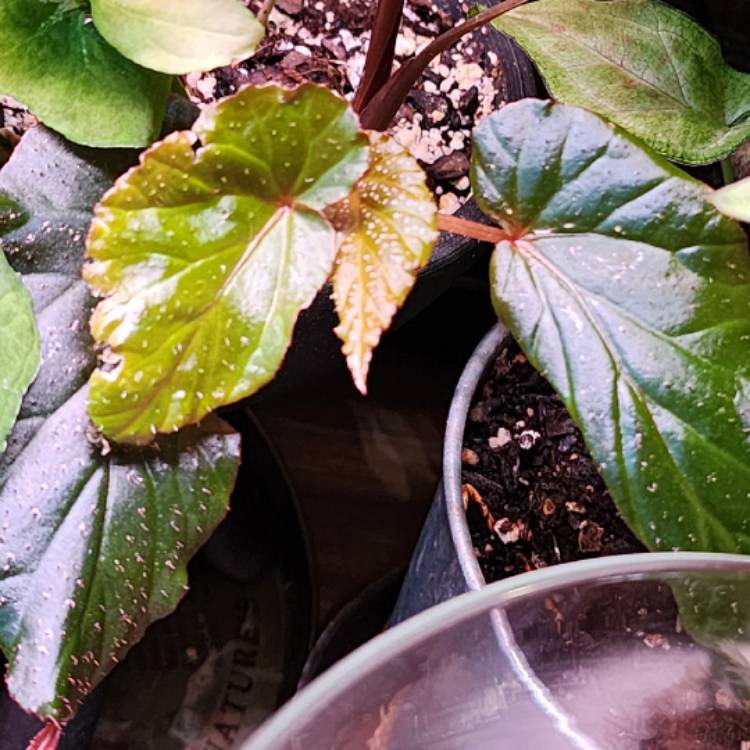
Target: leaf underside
[631, 293]
[93, 544]
[60, 67]
[208, 256]
[387, 228]
[179, 36]
[643, 65]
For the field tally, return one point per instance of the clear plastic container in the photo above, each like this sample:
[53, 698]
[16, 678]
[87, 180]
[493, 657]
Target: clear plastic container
[639, 652]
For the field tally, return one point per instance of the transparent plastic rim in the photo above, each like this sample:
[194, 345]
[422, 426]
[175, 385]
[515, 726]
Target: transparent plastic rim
[338, 680]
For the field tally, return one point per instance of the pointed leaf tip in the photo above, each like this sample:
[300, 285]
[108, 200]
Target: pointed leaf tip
[386, 231]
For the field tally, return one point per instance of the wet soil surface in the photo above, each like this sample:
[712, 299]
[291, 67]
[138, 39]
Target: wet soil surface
[534, 498]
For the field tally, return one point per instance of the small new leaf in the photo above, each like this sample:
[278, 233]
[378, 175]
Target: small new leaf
[387, 229]
[631, 293]
[55, 61]
[179, 36]
[734, 200]
[209, 254]
[643, 65]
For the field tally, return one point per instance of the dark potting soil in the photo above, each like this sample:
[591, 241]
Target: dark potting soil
[533, 495]
[534, 498]
[325, 41]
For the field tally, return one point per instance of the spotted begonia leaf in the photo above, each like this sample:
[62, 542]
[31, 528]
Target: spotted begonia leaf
[631, 293]
[179, 36]
[94, 541]
[208, 255]
[55, 61]
[387, 229]
[643, 65]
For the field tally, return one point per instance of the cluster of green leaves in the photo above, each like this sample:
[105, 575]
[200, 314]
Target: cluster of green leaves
[208, 251]
[617, 273]
[100, 72]
[622, 281]
[95, 539]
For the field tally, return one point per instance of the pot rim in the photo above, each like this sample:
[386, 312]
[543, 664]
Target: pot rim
[475, 370]
[339, 679]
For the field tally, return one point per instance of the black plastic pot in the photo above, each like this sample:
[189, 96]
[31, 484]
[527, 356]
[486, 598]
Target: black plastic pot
[444, 564]
[359, 621]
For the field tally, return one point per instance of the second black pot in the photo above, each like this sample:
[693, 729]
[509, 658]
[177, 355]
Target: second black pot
[444, 564]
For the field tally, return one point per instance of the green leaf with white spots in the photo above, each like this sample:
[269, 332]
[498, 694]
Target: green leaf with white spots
[19, 344]
[387, 228]
[94, 541]
[208, 252]
[55, 61]
[631, 293]
[179, 36]
[734, 200]
[643, 65]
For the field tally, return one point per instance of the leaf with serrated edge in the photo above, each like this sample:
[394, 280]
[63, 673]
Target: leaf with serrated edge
[630, 292]
[93, 547]
[179, 36]
[19, 346]
[387, 228]
[209, 256]
[55, 62]
[734, 200]
[643, 65]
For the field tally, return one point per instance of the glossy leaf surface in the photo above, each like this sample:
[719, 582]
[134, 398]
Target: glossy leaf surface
[387, 228]
[631, 293]
[734, 200]
[55, 61]
[643, 65]
[93, 542]
[19, 345]
[208, 256]
[179, 36]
